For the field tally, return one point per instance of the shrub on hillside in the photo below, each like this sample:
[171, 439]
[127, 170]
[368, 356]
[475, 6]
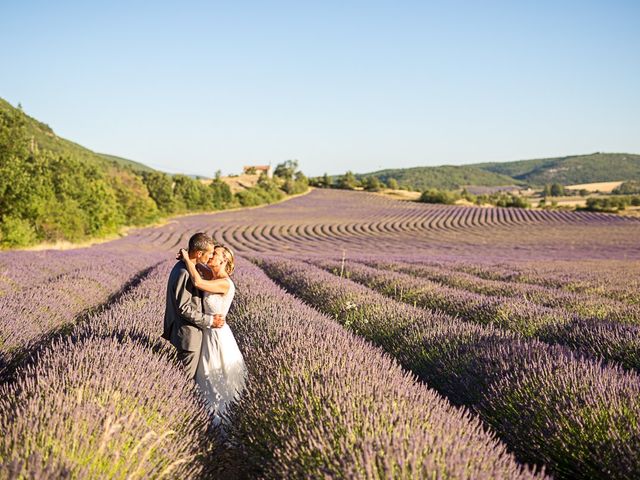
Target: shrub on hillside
[439, 196]
[348, 181]
[16, 232]
[611, 204]
[265, 191]
[372, 184]
[502, 199]
[134, 202]
[631, 187]
[160, 187]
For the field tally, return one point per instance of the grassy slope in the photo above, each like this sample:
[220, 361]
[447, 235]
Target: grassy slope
[48, 140]
[126, 162]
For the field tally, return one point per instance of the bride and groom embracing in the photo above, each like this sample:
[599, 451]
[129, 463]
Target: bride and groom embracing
[199, 294]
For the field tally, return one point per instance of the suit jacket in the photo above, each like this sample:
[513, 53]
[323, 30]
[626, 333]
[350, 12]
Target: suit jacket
[184, 317]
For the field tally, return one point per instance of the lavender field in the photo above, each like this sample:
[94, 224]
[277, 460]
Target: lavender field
[384, 339]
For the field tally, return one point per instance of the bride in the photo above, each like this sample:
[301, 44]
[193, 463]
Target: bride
[221, 372]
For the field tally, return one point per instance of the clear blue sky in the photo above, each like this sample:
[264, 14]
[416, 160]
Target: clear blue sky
[198, 86]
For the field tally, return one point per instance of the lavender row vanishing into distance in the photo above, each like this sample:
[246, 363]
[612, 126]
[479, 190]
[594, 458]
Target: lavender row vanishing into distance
[550, 406]
[585, 305]
[611, 341]
[621, 284]
[30, 315]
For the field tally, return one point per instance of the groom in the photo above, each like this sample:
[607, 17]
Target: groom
[184, 317]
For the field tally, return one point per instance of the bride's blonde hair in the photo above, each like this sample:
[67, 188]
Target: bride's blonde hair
[230, 258]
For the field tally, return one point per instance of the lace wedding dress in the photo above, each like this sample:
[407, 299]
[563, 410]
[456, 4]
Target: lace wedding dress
[221, 372]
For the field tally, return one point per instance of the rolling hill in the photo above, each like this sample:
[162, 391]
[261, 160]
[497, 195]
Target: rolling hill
[569, 170]
[445, 177]
[575, 169]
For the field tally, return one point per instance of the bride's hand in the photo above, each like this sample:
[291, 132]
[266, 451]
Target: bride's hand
[182, 255]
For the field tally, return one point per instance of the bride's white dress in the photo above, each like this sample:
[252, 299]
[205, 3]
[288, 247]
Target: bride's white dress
[221, 373]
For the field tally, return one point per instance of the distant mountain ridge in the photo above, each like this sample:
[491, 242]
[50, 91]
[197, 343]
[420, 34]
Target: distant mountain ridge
[568, 170]
[447, 177]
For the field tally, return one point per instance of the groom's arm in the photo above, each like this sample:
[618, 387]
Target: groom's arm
[187, 308]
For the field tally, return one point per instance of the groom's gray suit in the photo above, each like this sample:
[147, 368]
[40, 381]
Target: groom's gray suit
[184, 317]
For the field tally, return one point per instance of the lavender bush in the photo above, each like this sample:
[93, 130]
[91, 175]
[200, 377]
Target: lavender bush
[106, 410]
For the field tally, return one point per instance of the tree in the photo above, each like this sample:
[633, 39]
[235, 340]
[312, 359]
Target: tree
[16, 165]
[187, 193]
[392, 183]
[439, 196]
[286, 169]
[134, 202]
[326, 181]
[221, 193]
[557, 190]
[627, 188]
[348, 181]
[160, 190]
[372, 184]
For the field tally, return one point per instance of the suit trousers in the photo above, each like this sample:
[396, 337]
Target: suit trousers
[190, 361]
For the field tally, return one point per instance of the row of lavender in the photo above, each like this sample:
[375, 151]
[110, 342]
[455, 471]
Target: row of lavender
[110, 402]
[32, 314]
[611, 341]
[621, 284]
[580, 303]
[24, 269]
[548, 404]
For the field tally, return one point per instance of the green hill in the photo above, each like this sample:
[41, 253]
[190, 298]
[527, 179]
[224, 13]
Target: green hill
[137, 166]
[570, 170]
[445, 177]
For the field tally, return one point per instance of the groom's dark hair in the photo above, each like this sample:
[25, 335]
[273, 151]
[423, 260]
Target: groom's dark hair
[200, 241]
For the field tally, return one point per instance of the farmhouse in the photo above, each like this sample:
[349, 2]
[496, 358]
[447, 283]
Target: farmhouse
[249, 169]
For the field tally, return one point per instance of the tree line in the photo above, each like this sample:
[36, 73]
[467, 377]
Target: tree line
[349, 181]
